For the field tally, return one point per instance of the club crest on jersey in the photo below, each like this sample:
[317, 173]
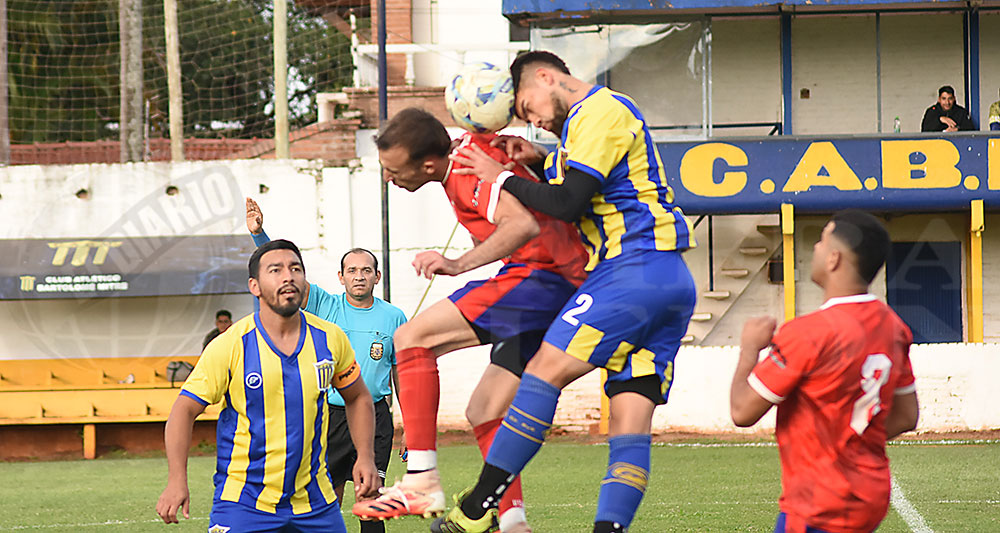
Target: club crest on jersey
[376, 351]
[218, 529]
[324, 373]
[254, 381]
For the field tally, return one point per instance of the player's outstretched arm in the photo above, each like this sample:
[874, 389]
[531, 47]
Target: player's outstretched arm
[514, 226]
[903, 416]
[567, 201]
[361, 422]
[177, 438]
[746, 406]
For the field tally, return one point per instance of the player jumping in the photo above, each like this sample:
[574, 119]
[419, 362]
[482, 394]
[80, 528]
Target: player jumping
[544, 264]
[630, 314]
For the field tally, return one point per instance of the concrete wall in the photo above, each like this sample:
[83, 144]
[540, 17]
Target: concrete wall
[955, 387]
[989, 68]
[746, 73]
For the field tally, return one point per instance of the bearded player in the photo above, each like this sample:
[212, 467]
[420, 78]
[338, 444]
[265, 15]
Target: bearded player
[544, 265]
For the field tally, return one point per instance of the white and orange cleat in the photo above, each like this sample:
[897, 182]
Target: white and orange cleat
[414, 495]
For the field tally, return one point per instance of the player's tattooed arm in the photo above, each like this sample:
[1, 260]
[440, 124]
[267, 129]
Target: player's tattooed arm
[521, 150]
[567, 201]
[745, 404]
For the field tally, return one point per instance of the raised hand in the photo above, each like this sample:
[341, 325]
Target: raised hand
[255, 218]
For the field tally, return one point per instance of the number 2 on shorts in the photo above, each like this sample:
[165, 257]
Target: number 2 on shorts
[583, 302]
[874, 374]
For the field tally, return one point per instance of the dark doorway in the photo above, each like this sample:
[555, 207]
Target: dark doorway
[924, 286]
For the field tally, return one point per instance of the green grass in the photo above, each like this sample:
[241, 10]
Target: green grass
[697, 489]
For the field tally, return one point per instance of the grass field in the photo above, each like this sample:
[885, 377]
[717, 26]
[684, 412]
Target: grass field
[701, 488]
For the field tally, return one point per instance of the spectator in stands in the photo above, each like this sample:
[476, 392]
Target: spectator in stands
[994, 116]
[223, 319]
[946, 115]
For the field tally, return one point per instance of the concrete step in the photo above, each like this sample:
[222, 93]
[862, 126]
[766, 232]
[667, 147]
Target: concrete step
[769, 229]
[753, 250]
[735, 272]
[716, 295]
[701, 317]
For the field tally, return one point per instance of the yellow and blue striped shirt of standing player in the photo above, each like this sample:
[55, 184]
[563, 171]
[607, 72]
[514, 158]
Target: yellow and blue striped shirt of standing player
[271, 434]
[607, 137]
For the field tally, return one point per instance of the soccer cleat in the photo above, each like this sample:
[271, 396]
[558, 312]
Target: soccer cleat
[414, 495]
[456, 521]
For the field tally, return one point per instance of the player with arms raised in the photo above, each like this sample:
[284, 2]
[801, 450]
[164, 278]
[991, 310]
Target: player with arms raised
[544, 265]
[842, 380]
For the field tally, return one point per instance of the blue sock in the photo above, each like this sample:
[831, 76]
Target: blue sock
[523, 429]
[625, 483]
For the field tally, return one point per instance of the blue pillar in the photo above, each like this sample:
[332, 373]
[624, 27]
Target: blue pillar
[786, 73]
[972, 64]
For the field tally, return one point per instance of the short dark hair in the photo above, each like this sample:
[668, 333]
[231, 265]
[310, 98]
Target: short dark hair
[416, 130]
[529, 58]
[225, 313]
[946, 89]
[866, 237]
[358, 251]
[280, 244]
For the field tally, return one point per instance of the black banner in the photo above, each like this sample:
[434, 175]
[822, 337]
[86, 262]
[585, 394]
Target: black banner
[115, 267]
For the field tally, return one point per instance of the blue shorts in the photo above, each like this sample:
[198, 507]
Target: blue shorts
[779, 527]
[516, 301]
[629, 317]
[233, 517]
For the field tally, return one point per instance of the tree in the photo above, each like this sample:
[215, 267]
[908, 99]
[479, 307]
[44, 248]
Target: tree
[64, 62]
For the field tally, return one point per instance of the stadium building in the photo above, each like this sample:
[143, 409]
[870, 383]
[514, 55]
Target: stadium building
[768, 116]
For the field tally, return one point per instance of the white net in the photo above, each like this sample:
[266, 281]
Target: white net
[64, 63]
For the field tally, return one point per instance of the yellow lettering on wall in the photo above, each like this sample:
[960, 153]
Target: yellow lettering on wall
[698, 163]
[819, 156]
[938, 167]
[993, 165]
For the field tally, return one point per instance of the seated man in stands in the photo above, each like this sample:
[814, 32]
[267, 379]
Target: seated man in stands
[946, 115]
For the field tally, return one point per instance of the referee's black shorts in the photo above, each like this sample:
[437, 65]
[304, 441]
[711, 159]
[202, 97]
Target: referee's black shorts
[341, 454]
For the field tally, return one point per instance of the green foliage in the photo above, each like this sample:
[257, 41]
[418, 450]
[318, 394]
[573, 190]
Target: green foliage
[64, 67]
[695, 489]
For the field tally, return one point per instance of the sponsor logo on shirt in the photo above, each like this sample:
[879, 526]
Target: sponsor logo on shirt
[216, 528]
[254, 381]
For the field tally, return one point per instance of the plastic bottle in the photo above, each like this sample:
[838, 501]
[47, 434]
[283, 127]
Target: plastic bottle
[895, 125]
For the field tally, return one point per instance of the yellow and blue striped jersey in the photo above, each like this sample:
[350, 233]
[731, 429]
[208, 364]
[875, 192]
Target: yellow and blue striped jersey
[606, 137]
[271, 434]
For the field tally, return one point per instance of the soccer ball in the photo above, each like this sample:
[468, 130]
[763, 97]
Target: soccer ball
[481, 98]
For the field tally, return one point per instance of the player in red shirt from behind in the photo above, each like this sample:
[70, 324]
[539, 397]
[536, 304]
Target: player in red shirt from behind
[544, 265]
[842, 380]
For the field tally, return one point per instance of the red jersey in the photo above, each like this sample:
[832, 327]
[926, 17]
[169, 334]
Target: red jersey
[557, 247]
[834, 374]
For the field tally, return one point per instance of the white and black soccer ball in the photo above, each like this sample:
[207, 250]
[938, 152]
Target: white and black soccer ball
[481, 97]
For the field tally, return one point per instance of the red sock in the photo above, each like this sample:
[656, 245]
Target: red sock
[419, 394]
[484, 436]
